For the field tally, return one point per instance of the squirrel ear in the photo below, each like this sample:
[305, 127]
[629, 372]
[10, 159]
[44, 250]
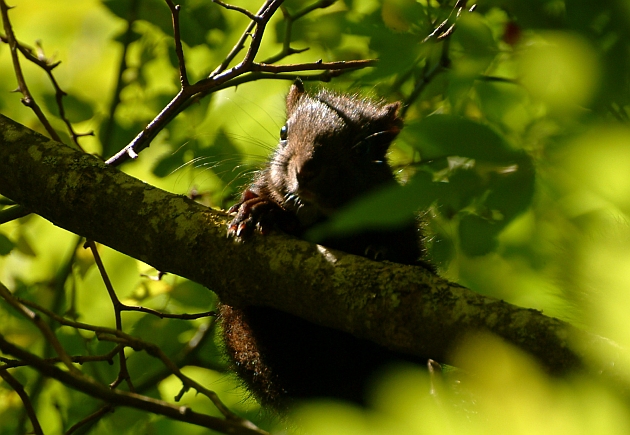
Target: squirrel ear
[392, 109]
[295, 93]
[392, 114]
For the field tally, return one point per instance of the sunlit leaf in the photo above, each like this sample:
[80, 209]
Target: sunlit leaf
[76, 110]
[6, 245]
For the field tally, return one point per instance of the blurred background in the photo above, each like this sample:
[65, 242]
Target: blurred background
[516, 153]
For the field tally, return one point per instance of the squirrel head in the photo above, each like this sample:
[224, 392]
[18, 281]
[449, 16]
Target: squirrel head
[332, 149]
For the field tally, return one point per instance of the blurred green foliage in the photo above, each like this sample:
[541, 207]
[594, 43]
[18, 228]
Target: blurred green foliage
[517, 146]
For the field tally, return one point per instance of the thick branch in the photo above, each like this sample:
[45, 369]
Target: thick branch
[402, 307]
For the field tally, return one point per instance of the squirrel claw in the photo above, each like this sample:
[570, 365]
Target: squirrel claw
[253, 212]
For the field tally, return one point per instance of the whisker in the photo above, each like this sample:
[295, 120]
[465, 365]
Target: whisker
[248, 114]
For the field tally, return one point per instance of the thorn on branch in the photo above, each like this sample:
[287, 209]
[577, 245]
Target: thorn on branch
[131, 153]
[181, 393]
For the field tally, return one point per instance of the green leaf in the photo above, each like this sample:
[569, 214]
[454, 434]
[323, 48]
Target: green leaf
[388, 207]
[441, 136]
[76, 110]
[22, 244]
[478, 236]
[6, 245]
[164, 333]
[191, 294]
[196, 18]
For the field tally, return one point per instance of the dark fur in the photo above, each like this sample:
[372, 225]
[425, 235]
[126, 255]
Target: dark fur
[333, 150]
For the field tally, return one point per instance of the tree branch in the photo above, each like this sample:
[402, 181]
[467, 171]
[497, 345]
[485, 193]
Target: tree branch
[223, 77]
[122, 398]
[27, 98]
[19, 389]
[402, 307]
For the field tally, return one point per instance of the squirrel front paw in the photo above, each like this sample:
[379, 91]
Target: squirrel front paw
[254, 212]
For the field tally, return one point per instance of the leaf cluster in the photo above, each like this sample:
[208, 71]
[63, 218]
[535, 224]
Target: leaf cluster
[515, 152]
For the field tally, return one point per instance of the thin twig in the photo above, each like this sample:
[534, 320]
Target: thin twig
[223, 77]
[429, 74]
[290, 19]
[231, 78]
[243, 11]
[324, 76]
[90, 419]
[144, 138]
[27, 98]
[41, 325]
[37, 57]
[187, 382]
[92, 388]
[122, 67]
[240, 45]
[75, 359]
[118, 336]
[161, 315]
[314, 66]
[59, 94]
[71, 323]
[28, 406]
[123, 374]
[12, 213]
[183, 76]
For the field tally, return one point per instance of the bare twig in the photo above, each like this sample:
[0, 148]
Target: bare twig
[71, 323]
[446, 27]
[122, 67]
[28, 406]
[27, 98]
[187, 382]
[243, 11]
[123, 339]
[161, 315]
[223, 77]
[88, 386]
[90, 419]
[75, 359]
[430, 72]
[314, 66]
[41, 325]
[290, 19]
[238, 47]
[187, 356]
[183, 76]
[123, 374]
[37, 57]
[119, 307]
[12, 213]
[324, 76]
[143, 139]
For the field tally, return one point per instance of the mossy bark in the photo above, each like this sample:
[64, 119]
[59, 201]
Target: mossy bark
[404, 308]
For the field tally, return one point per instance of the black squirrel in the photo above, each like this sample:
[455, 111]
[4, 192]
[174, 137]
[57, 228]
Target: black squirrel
[332, 150]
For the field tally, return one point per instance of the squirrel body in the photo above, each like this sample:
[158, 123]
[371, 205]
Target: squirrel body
[332, 150]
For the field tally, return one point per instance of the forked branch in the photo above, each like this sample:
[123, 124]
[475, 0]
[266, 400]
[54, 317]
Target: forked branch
[223, 77]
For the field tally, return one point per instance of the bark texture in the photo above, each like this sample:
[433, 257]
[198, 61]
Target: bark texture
[404, 308]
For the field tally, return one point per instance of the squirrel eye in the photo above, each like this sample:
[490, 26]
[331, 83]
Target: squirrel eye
[283, 132]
